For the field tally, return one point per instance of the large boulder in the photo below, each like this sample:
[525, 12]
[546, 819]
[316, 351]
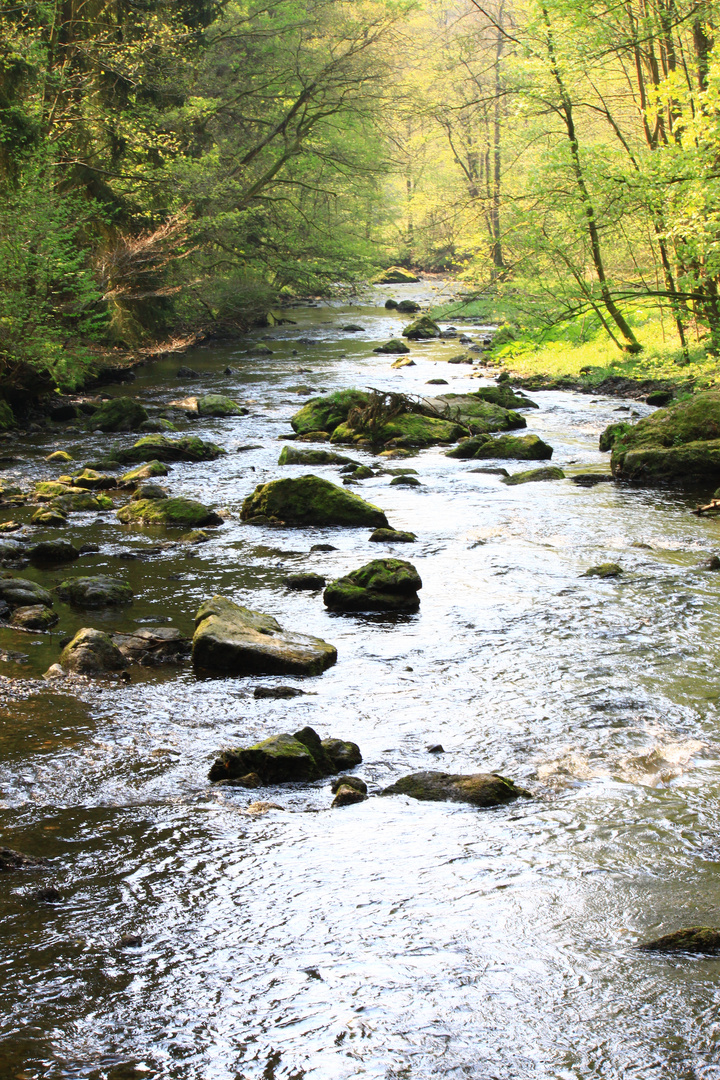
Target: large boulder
[422, 329]
[395, 275]
[35, 617]
[380, 585]
[406, 429]
[478, 789]
[19, 592]
[281, 759]
[516, 447]
[81, 502]
[119, 414]
[152, 646]
[325, 413]
[95, 592]
[294, 455]
[161, 448]
[92, 652]
[478, 416]
[679, 443]
[309, 500]
[170, 512]
[234, 640]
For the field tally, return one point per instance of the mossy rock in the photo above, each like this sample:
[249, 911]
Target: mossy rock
[477, 416]
[81, 502]
[611, 434]
[395, 275]
[157, 424]
[348, 795]
[50, 489]
[310, 500]
[392, 536]
[391, 304]
[95, 592]
[479, 789]
[405, 481]
[515, 447]
[234, 640]
[693, 939]
[34, 617]
[504, 396]
[161, 448]
[118, 414]
[681, 442]
[91, 480]
[149, 491]
[403, 362]
[293, 455]
[532, 475]
[145, 472]
[8, 489]
[173, 512]
[53, 552]
[49, 518]
[422, 329]
[58, 457]
[219, 405]
[604, 570]
[281, 759]
[10, 550]
[408, 429]
[395, 347]
[195, 536]
[19, 592]
[92, 652]
[380, 585]
[325, 413]
[343, 755]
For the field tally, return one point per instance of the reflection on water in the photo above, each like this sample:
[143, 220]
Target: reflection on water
[389, 939]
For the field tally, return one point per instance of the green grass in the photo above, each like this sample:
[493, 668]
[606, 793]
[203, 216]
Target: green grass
[582, 350]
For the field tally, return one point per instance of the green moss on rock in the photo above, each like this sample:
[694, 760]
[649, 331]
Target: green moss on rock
[478, 416]
[380, 585]
[325, 413]
[393, 347]
[219, 405]
[533, 475]
[172, 512]
[693, 939]
[395, 275]
[422, 329]
[161, 448]
[515, 447]
[145, 472]
[681, 442]
[92, 652]
[310, 500]
[479, 789]
[119, 414]
[604, 570]
[293, 455]
[95, 592]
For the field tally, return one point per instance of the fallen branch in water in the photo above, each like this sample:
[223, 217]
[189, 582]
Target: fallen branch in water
[709, 510]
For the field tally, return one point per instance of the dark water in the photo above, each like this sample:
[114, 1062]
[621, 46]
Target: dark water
[390, 939]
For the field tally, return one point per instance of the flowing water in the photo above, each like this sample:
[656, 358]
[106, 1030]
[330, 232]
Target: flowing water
[392, 938]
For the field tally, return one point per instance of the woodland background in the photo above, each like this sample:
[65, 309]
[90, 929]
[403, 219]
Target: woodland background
[175, 168]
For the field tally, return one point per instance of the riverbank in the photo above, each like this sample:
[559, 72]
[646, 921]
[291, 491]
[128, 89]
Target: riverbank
[579, 355]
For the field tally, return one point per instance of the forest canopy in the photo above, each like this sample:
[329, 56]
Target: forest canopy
[172, 168]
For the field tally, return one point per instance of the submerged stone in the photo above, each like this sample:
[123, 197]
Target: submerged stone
[309, 500]
[478, 789]
[11, 860]
[694, 939]
[380, 585]
[532, 475]
[234, 640]
[293, 455]
[95, 592]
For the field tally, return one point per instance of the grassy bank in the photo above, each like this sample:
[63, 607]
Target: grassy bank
[580, 352]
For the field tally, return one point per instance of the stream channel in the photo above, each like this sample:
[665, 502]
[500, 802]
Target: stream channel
[392, 938]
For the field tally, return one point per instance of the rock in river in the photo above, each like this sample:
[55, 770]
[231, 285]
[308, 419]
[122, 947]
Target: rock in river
[234, 640]
[172, 512]
[518, 448]
[552, 472]
[478, 789]
[694, 939]
[95, 592]
[17, 860]
[392, 536]
[35, 617]
[325, 413]
[293, 455]
[152, 646]
[422, 329]
[680, 443]
[604, 570]
[281, 759]
[53, 551]
[145, 472]
[395, 275]
[380, 585]
[92, 652]
[19, 592]
[119, 414]
[309, 500]
[395, 346]
[161, 448]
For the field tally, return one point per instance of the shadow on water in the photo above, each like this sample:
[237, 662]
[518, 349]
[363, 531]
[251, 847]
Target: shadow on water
[189, 936]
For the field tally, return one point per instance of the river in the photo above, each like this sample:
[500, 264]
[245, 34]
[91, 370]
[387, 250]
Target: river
[391, 939]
